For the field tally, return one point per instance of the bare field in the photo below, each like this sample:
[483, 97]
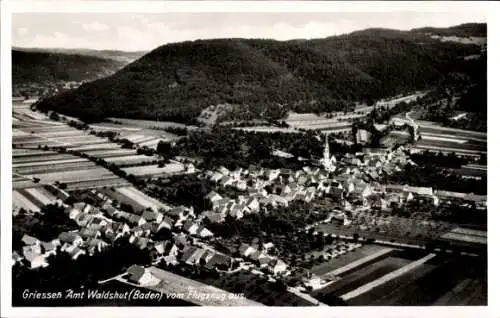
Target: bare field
[171, 168]
[67, 176]
[133, 159]
[150, 123]
[111, 181]
[268, 129]
[364, 275]
[345, 259]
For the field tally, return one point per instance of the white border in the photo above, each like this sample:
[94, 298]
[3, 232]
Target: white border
[490, 9]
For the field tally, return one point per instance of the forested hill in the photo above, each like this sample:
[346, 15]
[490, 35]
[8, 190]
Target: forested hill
[267, 77]
[47, 67]
[463, 30]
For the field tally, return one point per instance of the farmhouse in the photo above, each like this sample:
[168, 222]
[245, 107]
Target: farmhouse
[29, 240]
[142, 276]
[151, 216]
[219, 261]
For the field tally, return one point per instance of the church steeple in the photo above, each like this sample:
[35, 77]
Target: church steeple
[326, 150]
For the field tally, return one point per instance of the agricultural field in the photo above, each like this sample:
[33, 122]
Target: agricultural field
[343, 260]
[121, 152]
[268, 129]
[135, 198]
[466, 235]
[150, 123]
[155, 170]
[53, 167]
[130, 160]
[438, 282]
[109, 181]
[77, 175]
[32, 199]
[310, 121]
[364, 275]
[397, 229]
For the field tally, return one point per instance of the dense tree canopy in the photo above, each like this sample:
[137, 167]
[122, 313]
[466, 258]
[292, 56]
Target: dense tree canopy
[43, 67]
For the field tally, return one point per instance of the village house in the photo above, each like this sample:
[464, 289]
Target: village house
[246, 250]
[241, 185]
[214, 217]
[147, 228]
[88, 233]
[216, 177]
[190, 227]
[220, 204]
[166, 223]
[137, 230]
[140, 242]
[191, 255]
[181, 213]
[131, 218]
[277, 267]
[49, 248]
[265, 261]
[97, 223]
[83, 219]
[213, 197]
[74, 251]
[237, 173]
[30, 240]
[272, 174]
[237, 211]
[141, 276]
[189, 168]
[119, 227]
[253, 204]
[72, 212]
[206, 257]
[16, 258]
[267, 246]
[95, 246]
[224, 171]
[289, 188]
[204, 232]
[35, 260]
[219, 261]
[226, 181]
[72, 238]
[152, 216]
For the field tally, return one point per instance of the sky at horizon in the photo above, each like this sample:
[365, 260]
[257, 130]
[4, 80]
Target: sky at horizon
[144, 32]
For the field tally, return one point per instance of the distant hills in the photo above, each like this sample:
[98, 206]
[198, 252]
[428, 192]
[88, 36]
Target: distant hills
[48, 67]
[116, 55]
[267, 78]
[462, 30]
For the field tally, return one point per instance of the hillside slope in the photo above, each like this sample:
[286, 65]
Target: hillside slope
[121, 56]
[44, 67]
[176, 81]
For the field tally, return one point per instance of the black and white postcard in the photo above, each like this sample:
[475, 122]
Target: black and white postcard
[317, 156]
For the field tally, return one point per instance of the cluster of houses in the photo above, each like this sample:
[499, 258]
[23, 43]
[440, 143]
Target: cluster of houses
[261, 258]
[35, 252]
[352, 181]
[101, 225]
